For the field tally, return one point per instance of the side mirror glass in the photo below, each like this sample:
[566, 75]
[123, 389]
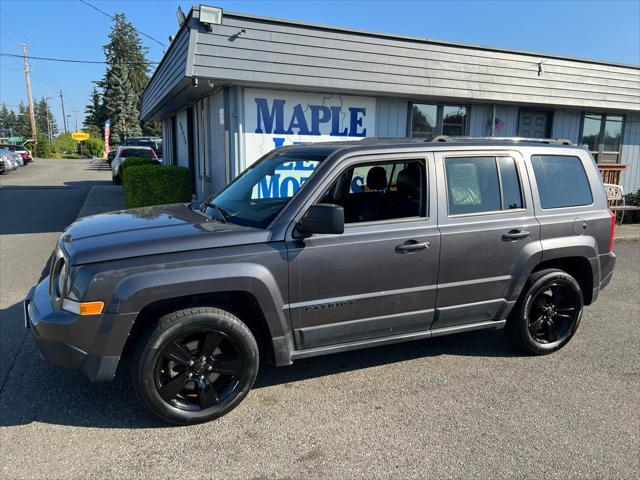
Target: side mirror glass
[321, 218]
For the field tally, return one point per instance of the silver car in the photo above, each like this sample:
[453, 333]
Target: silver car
[10, 160]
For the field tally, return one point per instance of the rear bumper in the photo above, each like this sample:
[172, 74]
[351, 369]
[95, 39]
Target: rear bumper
[606, 263]
[91, 343]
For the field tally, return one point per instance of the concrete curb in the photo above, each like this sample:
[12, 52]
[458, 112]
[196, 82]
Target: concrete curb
[627, 233]
[102, 199]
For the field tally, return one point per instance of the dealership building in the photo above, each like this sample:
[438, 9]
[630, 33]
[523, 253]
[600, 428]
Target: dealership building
[231, 87]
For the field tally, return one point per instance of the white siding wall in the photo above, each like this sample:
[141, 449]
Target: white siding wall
[630, 178]
[566, 124]
[480, 120]
[391, 117]
[218, 160]
[182, 145]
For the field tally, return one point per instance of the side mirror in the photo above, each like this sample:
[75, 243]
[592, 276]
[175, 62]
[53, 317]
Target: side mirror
[321, 218]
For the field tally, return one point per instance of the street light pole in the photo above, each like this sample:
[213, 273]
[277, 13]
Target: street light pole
[49, 121]
[64, 117]
[29, 98]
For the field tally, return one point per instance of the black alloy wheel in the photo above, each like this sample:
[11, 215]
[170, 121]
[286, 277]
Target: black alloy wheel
[198, 371]
[547, 313]
[195, 365]
[553, 312]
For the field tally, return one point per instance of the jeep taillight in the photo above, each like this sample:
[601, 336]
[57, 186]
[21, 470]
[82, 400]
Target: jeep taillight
[613, 229]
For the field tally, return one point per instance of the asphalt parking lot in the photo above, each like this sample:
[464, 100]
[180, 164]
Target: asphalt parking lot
[465, 406]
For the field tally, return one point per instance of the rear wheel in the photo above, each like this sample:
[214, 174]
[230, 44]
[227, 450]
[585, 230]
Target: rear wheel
[195, 365]
[547, 314]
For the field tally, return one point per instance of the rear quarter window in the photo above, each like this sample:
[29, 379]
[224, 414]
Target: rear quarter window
[561, 180]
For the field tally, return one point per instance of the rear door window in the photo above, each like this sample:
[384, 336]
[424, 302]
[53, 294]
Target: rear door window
[561, 181]
[482, 184]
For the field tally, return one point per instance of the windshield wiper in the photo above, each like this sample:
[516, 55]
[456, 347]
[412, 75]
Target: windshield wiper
[221, 211]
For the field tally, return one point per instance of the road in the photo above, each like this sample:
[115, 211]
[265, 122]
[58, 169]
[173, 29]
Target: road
[466, 406]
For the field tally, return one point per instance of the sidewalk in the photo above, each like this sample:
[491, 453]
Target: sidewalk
[627, 232]
[102, 199]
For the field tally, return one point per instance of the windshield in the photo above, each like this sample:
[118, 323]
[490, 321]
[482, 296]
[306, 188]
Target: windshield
[136, 153]
[262, 190]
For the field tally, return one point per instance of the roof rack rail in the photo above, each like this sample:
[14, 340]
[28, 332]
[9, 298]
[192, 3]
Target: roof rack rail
[556, 141]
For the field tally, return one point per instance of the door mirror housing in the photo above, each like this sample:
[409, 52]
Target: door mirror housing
[321, 218]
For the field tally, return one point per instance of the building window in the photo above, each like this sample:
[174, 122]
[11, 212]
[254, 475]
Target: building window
[428, 120]
[602, 135]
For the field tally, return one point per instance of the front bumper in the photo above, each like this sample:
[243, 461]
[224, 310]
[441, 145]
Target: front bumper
[91, 343]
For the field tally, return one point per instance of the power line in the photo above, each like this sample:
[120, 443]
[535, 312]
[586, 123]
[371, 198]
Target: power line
[70, 60]
[113, 18]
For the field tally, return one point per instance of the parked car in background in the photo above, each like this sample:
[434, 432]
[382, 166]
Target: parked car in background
[113, 151]
[10, 159]
[20, 150]
[2, 167]
[129, 152]
[153, 142]
[365, 244]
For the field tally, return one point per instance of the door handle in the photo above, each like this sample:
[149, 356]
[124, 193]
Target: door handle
[412, 246]
[514, 235]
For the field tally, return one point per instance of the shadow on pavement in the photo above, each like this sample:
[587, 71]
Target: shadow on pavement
[41, 209]
[39, 392]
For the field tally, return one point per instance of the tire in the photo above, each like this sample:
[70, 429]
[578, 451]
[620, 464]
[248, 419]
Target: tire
[224, 364]
[116, 180]
[547, 314]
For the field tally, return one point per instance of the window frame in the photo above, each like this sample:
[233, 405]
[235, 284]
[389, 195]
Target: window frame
[586, 176]
[603, 123]
[439, 117]
[373, 162]
[484, 155]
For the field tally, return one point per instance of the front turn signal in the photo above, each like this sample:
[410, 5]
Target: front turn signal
[91, 308]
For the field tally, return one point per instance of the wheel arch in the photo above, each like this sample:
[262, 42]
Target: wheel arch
[242, 304]
[578, 267]
[248, 291]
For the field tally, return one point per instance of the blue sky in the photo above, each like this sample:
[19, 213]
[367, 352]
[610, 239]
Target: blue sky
[604, 30]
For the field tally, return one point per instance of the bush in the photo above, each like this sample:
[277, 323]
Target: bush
[93, 146]
[134, 162]
[633, 216]
[146, 185]
[64, 144]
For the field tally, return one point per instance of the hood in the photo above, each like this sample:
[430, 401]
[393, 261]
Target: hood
[150, 231]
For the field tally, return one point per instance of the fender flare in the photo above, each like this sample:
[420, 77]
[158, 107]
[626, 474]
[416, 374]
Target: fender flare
[138, 290]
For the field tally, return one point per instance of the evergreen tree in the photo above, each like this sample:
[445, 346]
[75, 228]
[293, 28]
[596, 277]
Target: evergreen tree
[6, 126]
[94, 112]
[43, 112]
[121, 103]
[124, 81]
[23, 123]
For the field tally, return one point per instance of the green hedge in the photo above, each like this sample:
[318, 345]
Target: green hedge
[146, 185]
[135, 161]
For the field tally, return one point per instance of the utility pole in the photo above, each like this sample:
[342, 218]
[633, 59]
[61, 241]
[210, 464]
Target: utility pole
[32, 116]
[64, 117]
[75, 116]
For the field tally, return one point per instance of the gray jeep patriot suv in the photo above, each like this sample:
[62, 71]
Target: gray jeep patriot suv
[323, 248]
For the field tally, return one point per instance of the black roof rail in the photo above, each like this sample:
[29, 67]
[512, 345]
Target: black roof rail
[556, 141]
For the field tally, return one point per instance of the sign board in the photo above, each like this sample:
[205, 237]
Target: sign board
[15, 139]
[80, 136]
[275, 118]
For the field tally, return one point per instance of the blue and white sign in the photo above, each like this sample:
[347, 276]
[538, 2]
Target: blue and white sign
[274, 118]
